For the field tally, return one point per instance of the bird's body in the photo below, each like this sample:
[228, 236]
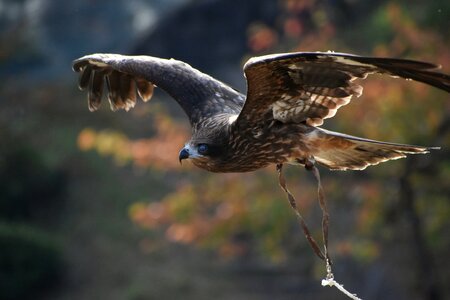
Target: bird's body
[288, 97]
[249, 149]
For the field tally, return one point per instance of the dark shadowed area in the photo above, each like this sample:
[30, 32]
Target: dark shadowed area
[97, 206]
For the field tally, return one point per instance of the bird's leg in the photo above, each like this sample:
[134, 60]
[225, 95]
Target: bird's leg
[293, 203]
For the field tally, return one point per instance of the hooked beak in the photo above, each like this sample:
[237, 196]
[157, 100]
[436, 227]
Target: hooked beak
[184, 153]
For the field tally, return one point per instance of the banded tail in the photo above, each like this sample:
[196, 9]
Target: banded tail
[338, 151]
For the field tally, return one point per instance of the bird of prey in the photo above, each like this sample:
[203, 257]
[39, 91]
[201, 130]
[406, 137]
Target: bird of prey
[288, 97]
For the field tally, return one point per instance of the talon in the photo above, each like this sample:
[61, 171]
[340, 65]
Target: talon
[309, 163]
[279, 167]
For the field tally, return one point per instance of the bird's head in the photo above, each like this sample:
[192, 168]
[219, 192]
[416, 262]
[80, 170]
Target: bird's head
[204, 155]
[208, 146]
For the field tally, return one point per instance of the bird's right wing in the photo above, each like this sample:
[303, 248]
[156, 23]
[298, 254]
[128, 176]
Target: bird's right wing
[200, 95]
[311, 86]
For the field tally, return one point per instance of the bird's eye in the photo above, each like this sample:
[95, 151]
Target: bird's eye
[202, 149]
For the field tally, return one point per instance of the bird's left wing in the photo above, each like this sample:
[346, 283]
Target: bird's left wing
[311, 86]
[200, 95]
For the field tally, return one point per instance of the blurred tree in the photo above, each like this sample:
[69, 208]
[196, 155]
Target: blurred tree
[29, 189]
[30, 262]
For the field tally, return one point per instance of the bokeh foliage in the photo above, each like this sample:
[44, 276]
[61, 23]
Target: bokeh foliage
[105, 191]
[30, 258]
[30, 262]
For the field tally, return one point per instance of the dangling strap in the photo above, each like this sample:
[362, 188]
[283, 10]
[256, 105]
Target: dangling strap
[310, 166]
[329, 279]
[292, 202]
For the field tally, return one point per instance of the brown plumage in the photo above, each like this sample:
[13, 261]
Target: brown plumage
[289, 95]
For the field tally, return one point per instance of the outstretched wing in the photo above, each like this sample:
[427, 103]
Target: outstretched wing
[200, 95]
[312, 86]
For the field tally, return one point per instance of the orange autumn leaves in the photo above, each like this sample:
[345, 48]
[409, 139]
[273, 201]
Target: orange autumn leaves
[217, 211]
[159, 152]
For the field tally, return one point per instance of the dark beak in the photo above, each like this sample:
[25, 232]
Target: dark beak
[184, 153]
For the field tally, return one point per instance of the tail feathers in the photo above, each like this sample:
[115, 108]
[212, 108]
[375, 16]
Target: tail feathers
[338, 151]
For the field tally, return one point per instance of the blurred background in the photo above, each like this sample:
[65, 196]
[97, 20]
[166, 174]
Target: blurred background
[96, 205]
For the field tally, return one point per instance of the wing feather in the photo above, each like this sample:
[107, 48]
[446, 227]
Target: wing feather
[114, 96]
[127, 91]
[145, 89]
[85, 77]
[95, 89]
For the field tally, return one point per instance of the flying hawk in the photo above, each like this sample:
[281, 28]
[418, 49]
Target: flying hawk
[288, 97]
